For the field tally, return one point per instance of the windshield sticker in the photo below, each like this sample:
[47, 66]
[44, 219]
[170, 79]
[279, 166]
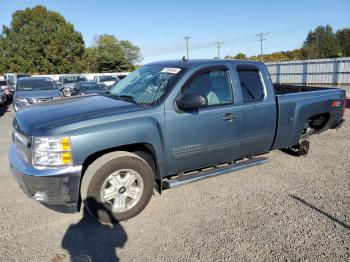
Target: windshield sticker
[171, 70]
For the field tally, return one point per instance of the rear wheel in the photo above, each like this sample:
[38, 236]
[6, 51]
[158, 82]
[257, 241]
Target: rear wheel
[301, 149]
[117, 186]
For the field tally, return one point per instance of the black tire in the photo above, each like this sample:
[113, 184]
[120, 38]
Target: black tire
[303, 148]
[98, 172]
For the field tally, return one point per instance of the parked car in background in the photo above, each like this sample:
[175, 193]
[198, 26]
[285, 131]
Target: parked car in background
[3, 97]
[31, 90]
[167, 124]
[12, 79]
[67, 82]
[8, 89]
[84, 88]
[122, 76]
[109, 80]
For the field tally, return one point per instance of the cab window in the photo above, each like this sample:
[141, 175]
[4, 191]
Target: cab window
[252, 85]
[214, 85]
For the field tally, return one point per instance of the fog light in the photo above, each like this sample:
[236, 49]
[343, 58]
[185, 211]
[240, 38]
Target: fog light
[40, 196]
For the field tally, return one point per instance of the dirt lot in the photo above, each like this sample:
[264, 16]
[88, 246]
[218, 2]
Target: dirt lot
[289, 209]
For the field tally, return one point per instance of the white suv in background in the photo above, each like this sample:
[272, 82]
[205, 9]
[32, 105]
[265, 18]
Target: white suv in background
[108, 80]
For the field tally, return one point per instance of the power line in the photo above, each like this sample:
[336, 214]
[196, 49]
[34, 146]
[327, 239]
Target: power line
[261, 40]
[218, 46]
[208, 44]
[187, 38]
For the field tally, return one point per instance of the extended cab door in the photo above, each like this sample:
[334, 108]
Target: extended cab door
[258, 108]
[206, 136]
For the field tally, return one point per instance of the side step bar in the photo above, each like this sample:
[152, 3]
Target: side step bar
[186, 179]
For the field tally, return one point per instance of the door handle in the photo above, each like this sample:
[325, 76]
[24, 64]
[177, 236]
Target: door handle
[229, 117]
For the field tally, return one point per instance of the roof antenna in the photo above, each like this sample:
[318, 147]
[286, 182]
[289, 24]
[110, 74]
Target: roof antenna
[183, 60]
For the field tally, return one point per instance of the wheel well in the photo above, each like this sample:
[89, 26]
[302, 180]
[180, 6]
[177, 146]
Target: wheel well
[317, 122]
[143, 150]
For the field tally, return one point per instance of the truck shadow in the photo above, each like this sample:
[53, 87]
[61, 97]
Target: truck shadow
[89, 240]
[334, 219]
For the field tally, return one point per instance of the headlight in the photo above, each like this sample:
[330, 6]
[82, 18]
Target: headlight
[52, 151]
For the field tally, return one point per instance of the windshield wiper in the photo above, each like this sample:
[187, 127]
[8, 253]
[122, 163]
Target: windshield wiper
[123, 97]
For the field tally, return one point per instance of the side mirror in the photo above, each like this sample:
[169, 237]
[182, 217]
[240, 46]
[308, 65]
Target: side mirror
[192, 101]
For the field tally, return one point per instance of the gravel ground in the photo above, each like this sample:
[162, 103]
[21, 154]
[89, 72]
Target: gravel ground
[288, 209]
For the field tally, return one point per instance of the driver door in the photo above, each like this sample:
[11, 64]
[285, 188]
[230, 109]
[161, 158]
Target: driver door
[206, 136]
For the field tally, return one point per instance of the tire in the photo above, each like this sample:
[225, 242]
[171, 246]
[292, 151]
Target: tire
[119, 168]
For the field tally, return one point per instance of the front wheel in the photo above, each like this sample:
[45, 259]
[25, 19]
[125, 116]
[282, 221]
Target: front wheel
[117, 186]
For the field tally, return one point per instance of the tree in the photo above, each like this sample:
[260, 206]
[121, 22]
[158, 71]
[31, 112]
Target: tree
[110, 55]
[2, 54]
[321, 43]
[229, 57]
[91, 58]
[132, 53]
[41, 41]
[241, 56]
[343, 37]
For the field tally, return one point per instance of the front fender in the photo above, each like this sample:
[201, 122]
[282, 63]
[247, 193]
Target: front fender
[118, 133]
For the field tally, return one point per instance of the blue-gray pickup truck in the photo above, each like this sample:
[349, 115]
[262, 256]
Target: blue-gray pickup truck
[165, 125]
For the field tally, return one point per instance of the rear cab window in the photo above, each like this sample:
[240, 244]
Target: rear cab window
[252, 84]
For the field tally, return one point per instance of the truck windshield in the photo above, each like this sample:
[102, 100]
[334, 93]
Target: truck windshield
[35, 84]
[147, 85]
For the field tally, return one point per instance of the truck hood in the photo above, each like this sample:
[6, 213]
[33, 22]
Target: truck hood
[38, 93]
[36, 120]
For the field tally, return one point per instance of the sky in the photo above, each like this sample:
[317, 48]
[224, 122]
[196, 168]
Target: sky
[158, 27]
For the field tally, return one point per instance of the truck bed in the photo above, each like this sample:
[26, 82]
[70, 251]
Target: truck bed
[289, 89]
[297, 104]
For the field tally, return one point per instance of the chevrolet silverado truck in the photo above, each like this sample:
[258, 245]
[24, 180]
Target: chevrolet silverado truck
[165, 125]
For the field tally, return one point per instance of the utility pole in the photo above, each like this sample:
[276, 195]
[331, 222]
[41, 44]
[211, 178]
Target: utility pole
[218, 46]
[187, 38]
[261, 40]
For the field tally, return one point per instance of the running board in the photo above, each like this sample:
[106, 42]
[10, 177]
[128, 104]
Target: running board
[186, 179]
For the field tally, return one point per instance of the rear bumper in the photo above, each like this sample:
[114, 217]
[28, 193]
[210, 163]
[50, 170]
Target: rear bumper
[56, 188]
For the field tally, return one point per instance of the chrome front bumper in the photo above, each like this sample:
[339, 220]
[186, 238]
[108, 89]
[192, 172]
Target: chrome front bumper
[56, 188]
